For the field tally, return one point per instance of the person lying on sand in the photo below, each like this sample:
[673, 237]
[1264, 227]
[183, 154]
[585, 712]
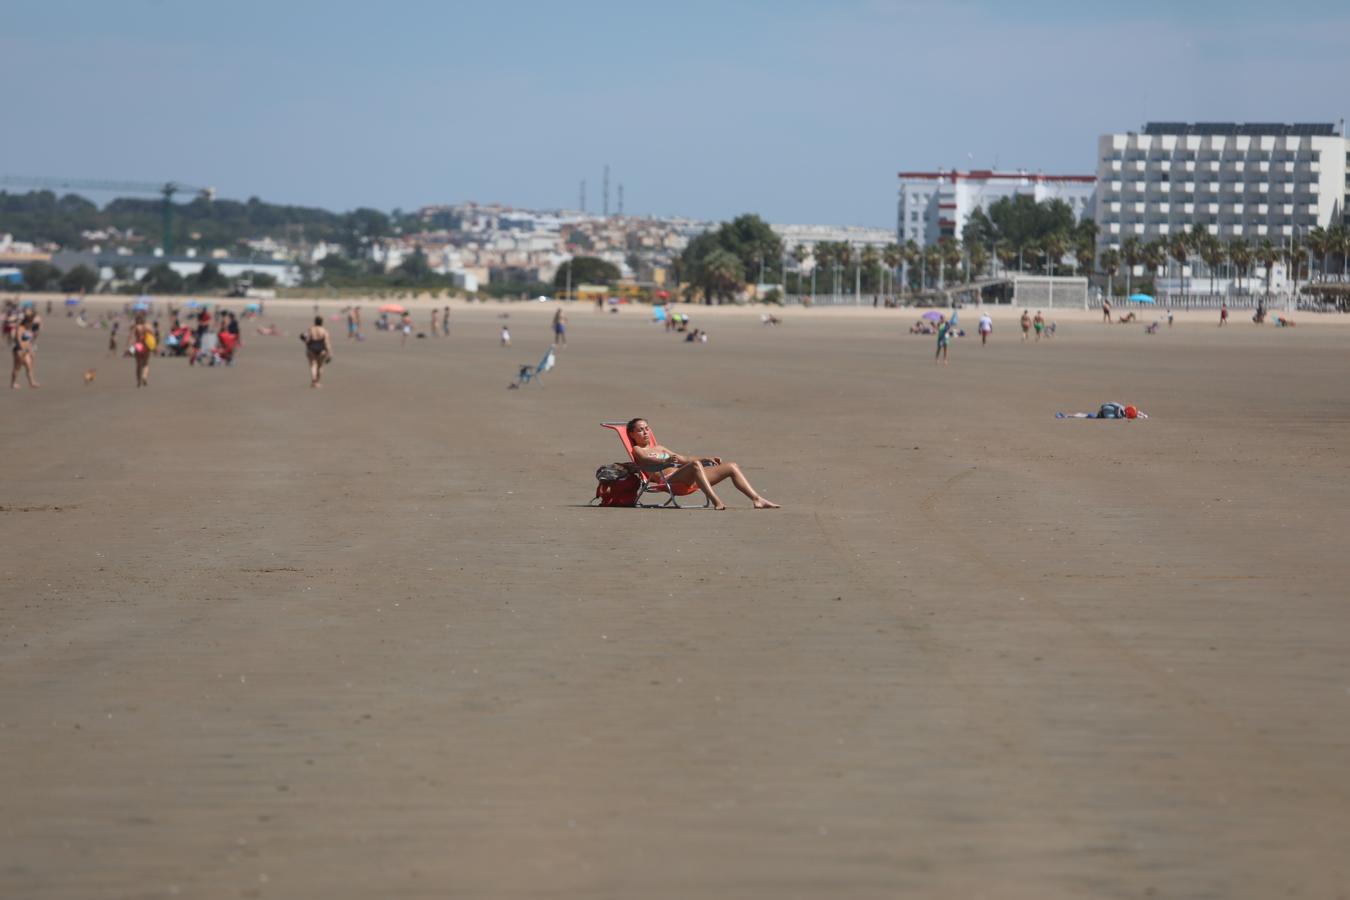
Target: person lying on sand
[683, 470]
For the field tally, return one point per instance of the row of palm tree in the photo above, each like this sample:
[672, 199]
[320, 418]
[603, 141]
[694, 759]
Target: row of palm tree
[1323, 246]
[1315, 258]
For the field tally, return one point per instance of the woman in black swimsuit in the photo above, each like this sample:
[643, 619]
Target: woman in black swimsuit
[681, 470]
[22, 351]
[318, 350]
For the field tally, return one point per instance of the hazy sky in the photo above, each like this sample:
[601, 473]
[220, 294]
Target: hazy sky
[802, 112]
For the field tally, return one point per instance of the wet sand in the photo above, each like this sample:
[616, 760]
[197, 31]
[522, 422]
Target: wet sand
[368, 641]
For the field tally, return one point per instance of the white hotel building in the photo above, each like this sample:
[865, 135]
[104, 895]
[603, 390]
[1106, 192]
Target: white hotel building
[934, 205]
[1248, 181]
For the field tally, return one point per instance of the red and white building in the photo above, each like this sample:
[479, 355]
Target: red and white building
[934, 205]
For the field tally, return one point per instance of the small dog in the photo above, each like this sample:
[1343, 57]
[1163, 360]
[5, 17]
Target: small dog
[89, 375]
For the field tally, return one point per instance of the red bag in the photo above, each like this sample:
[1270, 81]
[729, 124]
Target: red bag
[617, 485]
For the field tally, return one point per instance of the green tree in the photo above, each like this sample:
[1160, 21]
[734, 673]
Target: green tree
[1214, 254]
[721, 275]
[39, 275]
[1110, 264]
[261, 279]
[586, 270]
[415, 268]
[1132, 255]
[1179, 247]
[79, 280]
[1268, 254]
[208, 279]
[1240, 254]
[162, 280]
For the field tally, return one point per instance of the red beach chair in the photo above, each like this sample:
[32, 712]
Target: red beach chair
[651, 480]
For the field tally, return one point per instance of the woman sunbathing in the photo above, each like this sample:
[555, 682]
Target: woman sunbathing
[680, 470]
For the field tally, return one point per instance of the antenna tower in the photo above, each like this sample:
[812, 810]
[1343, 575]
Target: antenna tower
[606, 190]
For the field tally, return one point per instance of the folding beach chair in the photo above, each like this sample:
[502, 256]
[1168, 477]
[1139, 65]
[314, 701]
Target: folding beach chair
[651, 481]
[529, 373]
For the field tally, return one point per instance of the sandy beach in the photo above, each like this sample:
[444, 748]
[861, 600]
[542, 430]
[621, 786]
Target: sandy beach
[370, 641]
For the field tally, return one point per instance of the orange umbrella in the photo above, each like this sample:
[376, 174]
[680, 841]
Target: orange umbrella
[394, 308]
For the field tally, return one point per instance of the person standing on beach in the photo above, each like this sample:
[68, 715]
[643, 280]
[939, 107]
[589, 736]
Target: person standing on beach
[405, 325]
[139, 344]
[1106, 310]
[1223, 315]
[22, 351]
[445, 321]
[112, 339]
[318, 350]
[986, 326]
[351, 322]
[560, 328]
[1039, 324]
[435, 322]
[1026, 324]
[944, 341]
[506, 336]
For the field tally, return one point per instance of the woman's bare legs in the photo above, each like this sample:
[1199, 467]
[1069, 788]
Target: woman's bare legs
[315, 370]
[707, 476]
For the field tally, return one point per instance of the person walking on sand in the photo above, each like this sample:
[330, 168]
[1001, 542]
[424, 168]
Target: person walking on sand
[140, 345]
[559, 328]
[1026, 324]
[112, 339]
[1223, 315]
[435, 322]
[681, 470]
[1039, 324]
[22, 351]
[944, 341]
[506, 336]
[318, 350]
[352, 317]
[445, 321]
[1106, 310]
[986, 326]
[405, 325]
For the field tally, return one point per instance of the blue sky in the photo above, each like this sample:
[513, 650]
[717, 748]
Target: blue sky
[802, 112]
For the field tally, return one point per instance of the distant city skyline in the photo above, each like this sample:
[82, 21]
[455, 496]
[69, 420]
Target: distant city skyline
[800, 112]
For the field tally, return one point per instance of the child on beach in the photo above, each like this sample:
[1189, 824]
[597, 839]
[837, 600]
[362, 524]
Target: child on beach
[986, 326]
[506, 336]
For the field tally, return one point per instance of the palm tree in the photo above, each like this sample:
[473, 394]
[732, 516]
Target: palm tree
[824, 258]
[951, 255]
[979, 258]
[932, 262]
[1056, 245]
[892, 256]
[869, 261]
[912, 256]
[1154, 258]
[1241, 256]
[1085, 255]
[843, 255]
[1295, 254]
[1180, 249]
[1030, 250]
[1132, 256]
[800, 254]
[1110, 263]
[1319, 244]
[1267, 253]
[722, 275]
[1214, 253]
[1007, 254]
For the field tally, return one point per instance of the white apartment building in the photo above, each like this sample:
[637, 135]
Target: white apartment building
[1250, 181]
[934, 205]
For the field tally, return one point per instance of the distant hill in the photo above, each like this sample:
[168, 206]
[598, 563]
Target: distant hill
[42, 216]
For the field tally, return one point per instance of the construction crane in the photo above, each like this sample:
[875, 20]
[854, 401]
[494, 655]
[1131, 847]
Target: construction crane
[166, 190]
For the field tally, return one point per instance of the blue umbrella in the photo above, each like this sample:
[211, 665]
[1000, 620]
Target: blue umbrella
[1141, 298]
[140, 306]
[251, 307]
[191, 304]
[71, 301]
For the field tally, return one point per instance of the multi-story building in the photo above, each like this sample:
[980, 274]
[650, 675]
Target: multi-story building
[1250, 181]
[934, 205]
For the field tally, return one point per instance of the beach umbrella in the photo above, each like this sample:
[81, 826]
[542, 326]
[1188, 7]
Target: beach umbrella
[251, 307]
[140, 306]
[191, 304]
[1141, 298]
[27, 304]
[932, 315]
[393, 308]
[663, 295]
[72, 301]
